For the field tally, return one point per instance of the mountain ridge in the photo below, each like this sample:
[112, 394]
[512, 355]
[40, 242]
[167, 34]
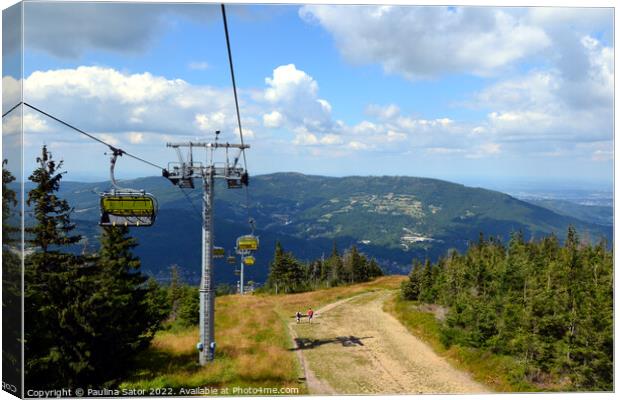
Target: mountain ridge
[391, 218]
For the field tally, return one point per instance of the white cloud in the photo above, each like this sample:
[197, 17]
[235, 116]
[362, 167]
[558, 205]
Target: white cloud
[420, 42]
[11, 92]
[273, 119]
[544, 105]
[211, 122]
[111, 139]
[136, 137]
[247, 133]
[331, 139]
[132, 109]
[393, 136]
[288, 84]
[98, 98]
[327, 108]
[485, 150]
[366, 128]
[294, 95]
[356, 145]
[383, 112]
[443, 150]
[198, 65]
[305, 139]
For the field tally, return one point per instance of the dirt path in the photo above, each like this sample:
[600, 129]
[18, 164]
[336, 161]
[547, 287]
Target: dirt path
[354, 347]
[314, 384]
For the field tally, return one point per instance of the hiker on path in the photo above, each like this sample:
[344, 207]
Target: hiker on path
[298, 316]
[310, 315]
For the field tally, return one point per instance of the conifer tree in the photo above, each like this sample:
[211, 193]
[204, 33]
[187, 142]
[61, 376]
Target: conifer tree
[119, 312]
[189, 304]
[52, 355]
[411, 287]
[335, 266]
[11, 285]
[9, 202]
[276, 269]
[374, 270]
[426, 283]
[286, 274]
[548, 306]
[358, 265]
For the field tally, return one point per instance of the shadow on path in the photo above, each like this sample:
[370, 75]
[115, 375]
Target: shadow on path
[345, 341]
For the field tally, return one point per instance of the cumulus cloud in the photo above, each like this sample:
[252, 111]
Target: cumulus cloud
[143, 109]
[273, 119]
[383, 112]
[288, 84]
[100, 99]
[546, 104]
[421, 42]
[293, 95]
[11, 92]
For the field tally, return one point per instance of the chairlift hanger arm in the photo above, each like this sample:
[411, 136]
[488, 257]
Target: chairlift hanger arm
[209, 145]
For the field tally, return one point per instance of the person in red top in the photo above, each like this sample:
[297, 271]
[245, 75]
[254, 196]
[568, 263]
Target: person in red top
[310, 315]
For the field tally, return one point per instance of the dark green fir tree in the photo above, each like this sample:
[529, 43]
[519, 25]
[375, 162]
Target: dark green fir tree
[53, 354]
[11, 285]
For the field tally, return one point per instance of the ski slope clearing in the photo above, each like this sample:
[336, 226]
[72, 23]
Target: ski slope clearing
[354, 347]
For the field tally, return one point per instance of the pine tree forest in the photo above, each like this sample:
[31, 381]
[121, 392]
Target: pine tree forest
[549, 305]
[289, 275]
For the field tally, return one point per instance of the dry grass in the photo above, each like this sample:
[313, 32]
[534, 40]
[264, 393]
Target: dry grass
[253, 343]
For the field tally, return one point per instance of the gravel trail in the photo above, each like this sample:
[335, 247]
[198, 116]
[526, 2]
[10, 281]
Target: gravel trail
[354, 347]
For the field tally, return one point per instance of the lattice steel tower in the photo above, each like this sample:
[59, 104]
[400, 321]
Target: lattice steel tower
[183, 173]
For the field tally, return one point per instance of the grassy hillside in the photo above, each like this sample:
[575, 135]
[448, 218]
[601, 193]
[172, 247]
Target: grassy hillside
[253, 343]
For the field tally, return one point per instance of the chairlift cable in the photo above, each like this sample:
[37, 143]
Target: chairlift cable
[11, 110]
[234, 84]
[113, 148]
[190, 201]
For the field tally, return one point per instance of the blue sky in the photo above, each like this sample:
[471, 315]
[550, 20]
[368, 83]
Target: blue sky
[474, 94]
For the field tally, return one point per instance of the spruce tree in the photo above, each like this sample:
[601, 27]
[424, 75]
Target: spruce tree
[411, 287]
[276, 269]
[426, 283]
[53, 354]
[286, 274]
[550, 307]
[120, 312]
[11, 285]
[374, 270]
[189, 305]
[335, 266]
[359, 270]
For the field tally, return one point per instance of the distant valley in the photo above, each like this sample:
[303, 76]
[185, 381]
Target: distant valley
[393, 219]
